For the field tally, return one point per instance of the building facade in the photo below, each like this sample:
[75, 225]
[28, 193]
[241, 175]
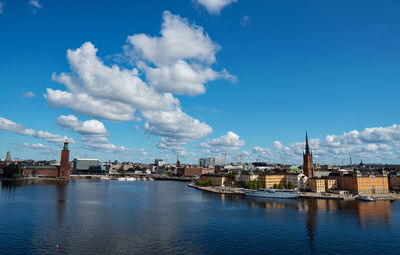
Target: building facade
[210, 162]
[369, 184]
[268, 180]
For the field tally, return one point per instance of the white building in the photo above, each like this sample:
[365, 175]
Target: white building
[210, 162]
[159, 162]
[299, 180]
[245, 177]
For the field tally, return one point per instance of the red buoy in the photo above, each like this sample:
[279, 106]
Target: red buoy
[57, 246]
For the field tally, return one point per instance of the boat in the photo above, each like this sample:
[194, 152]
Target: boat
[126, 179]
[272, 193]
[365, 198]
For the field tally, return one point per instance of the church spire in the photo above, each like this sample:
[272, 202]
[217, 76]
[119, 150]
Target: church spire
[307, 146]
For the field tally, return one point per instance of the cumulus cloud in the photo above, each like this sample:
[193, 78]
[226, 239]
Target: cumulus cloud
[88, 127]
[176, 62]
[179, 60]
[375, 144]
[277, 145]
[93, 134]
[214, 7]
[35, 5]
[13, 127]
[29, 94]
[34, 146]
[142, 152]
[228, 142]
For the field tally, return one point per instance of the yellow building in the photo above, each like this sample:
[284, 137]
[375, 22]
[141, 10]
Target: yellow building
[316, 184]
[330, 184]
[321, 184]
[268, 180]
[366, 184]
[216, 179]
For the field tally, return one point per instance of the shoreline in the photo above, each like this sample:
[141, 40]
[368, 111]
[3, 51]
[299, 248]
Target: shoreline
[312, 195]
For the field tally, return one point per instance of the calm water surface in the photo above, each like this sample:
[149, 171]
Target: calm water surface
[143, 217]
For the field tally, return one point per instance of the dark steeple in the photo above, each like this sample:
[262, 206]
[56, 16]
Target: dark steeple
[307, 146]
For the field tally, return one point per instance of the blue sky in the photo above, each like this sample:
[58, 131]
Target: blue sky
[200, 78]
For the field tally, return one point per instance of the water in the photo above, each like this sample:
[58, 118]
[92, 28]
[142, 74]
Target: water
[159, 217]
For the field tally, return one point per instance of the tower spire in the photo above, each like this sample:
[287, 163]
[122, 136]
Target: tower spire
[307, 146]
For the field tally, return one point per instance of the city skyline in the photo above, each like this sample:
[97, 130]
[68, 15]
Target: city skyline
[138, 81]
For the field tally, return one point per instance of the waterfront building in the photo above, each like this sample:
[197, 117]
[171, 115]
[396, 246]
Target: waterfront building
[358, 183]
[316, 185]
[299, 180]
[322, 184]
[269, 179]
[85, 165]
[192, 171]
[243, 177]
[216, 179]
[210, 162]
[394, 181]
[45, 171]
[308, 167]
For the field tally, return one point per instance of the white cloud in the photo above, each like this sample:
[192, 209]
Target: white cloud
[176, 62]
[181, 56]
[29, 94]
[142, 152]
[88, 127]
[228, 142]
[13, 127]
[34, 146]
[277, 145]
[35, 5]
[370, 145]
[214, 7]
[179, 40]
[93, 134]
[1, 7]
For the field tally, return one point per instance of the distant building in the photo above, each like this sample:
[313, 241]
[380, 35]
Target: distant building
[8, 157]
[49, 171]
[216, 179]
[243, 177]
[308, 167]
[394, 181]
[192, 171]
[83, 165]
[364, 184]
[299, 180]
[322, 184]
[159, 162]
[210, 162]
[64, 169]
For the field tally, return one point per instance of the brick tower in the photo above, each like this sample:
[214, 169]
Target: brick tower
[63, 171]
[308, 167]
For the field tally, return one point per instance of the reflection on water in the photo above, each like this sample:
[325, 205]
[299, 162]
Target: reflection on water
[94, 217]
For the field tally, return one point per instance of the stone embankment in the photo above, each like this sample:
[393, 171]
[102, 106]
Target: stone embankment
[218, 189]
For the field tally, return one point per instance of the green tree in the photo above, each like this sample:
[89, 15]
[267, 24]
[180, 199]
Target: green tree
[231, 175]
[11, 171]
[255, 184]
[280, 186]
[290, 185]
[275, 186]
